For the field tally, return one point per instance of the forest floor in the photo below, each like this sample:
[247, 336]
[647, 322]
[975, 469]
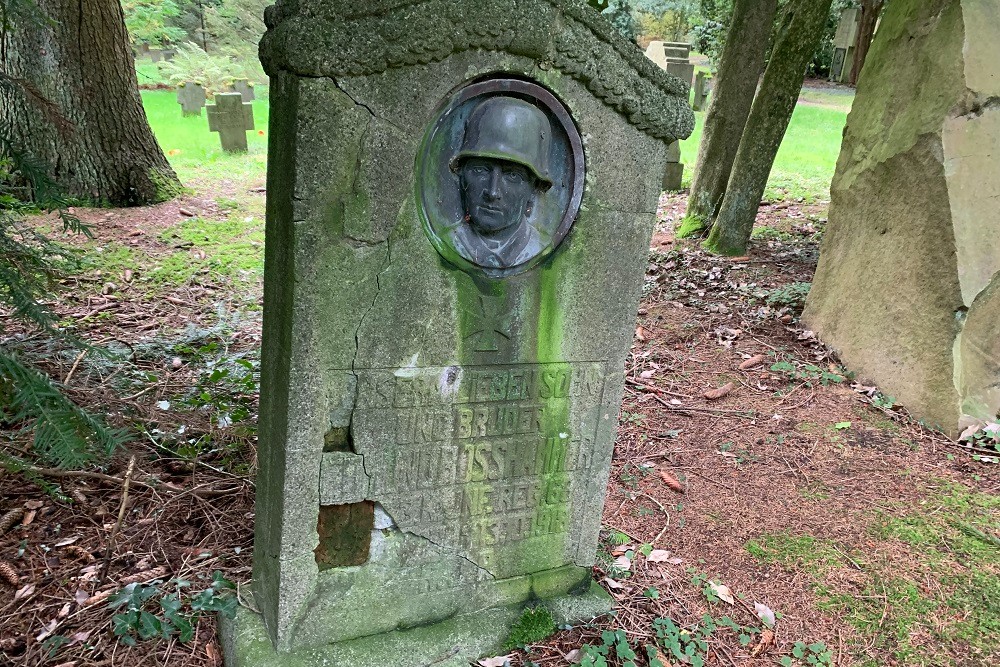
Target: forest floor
[799, 494]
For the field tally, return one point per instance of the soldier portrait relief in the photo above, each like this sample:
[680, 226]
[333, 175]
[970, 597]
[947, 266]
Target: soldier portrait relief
[501, 177]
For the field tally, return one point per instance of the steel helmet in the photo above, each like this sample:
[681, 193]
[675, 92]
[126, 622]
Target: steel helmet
[507, 128]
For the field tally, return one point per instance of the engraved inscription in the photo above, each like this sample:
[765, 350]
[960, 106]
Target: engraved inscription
[478, 458]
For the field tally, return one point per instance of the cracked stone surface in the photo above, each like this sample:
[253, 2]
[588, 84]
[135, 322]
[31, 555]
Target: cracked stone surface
[909, 272]
[486, 464]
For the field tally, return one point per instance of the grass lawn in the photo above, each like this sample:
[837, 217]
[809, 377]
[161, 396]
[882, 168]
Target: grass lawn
[807, 157]
[803, 169]
[195, 152]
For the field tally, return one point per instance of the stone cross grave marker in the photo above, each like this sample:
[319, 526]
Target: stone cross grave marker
[231, 117]
[191, 97]
[450, 295]
[244, 88]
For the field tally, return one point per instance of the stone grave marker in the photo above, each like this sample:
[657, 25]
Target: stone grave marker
[844, 42]
[657, 54]
[673, 174]
[231, 117]
[460, 203]
[244, 88]
[156, 55]
[702, 87]
[191, 97]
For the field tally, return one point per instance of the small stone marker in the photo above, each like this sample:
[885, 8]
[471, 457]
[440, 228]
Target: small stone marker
[702, 87]
[450, 295]
[191, 97]
[156, 55]
[673, 174]
[231, 117]
[244, 88]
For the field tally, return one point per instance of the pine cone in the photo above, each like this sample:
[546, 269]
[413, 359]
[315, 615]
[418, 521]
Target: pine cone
[8, 573]
[10, 519]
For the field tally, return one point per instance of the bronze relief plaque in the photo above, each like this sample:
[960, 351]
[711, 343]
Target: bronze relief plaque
[500, 176]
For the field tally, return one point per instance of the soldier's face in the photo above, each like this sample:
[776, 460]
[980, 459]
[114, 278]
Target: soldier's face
[496, 194]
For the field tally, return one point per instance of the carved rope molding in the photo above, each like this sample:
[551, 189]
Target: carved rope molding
[337, 38]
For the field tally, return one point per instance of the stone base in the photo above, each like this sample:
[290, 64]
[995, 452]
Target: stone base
[454, 642]
[673, 176]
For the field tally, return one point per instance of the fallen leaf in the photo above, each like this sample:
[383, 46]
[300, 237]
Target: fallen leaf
[766, 641]
[623, 563]
[498, 661]
[80, 637]
[641, 334]
[573, 656]
[80, 596]
[723, 592]
[47, 630]
[645, 375]
[676, 560]
[127, 275]
[213, 653]
[63, 611]
[621, 550]
[29, 516]
[33, 505]
[671, 481]
[658, 556]
[611, 583]
[24, 592]
[719, 392]
[764, 613]
[840, 426]
[753, 361]
[68, 541]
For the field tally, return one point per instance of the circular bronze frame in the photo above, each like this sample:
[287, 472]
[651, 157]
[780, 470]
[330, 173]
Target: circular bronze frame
[574, 181]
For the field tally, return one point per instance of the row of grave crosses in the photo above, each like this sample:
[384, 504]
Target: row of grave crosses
[231, 115]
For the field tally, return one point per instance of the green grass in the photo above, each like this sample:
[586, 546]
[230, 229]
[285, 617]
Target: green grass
[147, 73]
[806, 160]
[195, 152]
[932, 599]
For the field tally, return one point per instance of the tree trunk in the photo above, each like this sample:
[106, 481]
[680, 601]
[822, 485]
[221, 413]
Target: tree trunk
[92, 134]
[772, 109]
[870, 11]
[740, 66]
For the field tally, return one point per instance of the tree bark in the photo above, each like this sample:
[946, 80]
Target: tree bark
[870, 11]
[772, 109]
[91, 131]
[740, 66]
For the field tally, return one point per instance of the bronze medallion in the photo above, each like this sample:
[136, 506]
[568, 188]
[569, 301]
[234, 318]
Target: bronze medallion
[500, 176]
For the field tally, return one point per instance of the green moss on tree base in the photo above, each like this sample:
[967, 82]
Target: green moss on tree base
[691, 226]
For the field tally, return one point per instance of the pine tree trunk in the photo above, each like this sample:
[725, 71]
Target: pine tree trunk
[772, 109]
[92, 133]
[740, 66]
[870, 11]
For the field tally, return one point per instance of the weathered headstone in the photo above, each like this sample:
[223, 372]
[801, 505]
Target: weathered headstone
[844, 42]
[680, 50]
[191, 97]
[655, 52]
[156, 55]
[244, 88]
[702, 87]
[231, 117]
[673, 173]
[908, 284]
[460, 202]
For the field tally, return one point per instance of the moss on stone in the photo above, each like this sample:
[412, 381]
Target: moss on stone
[534, 625]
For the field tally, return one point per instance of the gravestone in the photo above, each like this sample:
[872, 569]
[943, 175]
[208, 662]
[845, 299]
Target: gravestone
[680, 50]
[655, 52]
[844, 42]
[907, 289]
[702, 87]
[673, 173]
[156, 55]
[460, 201]
[191, 97]
[244, 88]
[231, 117]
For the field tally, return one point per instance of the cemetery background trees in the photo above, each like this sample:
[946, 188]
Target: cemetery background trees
[772, 109]
[94, 138]
[739, 70]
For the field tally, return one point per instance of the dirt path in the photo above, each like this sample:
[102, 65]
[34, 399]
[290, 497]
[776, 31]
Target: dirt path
[872, 540]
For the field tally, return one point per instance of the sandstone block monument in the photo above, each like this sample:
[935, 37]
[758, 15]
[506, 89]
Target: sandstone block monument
[460, 201]
[908, 284]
